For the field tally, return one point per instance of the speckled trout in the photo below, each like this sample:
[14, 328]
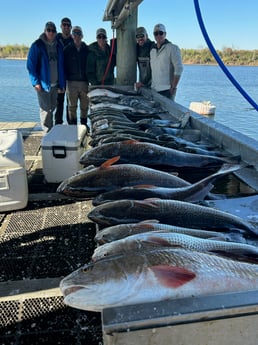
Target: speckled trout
[147, 240]
[119, 231]
[155, 275]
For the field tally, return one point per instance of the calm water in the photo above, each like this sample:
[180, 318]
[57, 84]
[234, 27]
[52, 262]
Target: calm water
[18, 101]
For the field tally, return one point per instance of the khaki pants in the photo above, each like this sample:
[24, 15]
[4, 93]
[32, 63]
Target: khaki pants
[77, 91]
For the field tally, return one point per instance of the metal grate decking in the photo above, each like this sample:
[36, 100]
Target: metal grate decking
[39, 245]
[47, 321]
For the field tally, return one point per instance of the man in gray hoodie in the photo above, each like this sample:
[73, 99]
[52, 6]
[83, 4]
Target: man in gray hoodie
[45, 64]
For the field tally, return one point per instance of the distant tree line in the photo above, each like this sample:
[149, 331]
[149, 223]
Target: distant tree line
[229, 56]
[14, 52]
[190, 56]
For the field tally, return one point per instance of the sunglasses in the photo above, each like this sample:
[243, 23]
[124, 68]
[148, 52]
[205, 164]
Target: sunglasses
[78, 33]
[140, 36]
[156, 33]
[51, 30]
[66, 24]
[102, 36]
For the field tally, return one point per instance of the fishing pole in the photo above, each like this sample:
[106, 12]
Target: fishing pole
[218, 59]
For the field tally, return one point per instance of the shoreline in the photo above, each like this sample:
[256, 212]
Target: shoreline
[185, 63]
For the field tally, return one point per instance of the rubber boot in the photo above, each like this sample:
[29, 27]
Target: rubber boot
[84, 122]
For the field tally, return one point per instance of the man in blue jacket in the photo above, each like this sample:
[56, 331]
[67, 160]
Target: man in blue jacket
[46, 70]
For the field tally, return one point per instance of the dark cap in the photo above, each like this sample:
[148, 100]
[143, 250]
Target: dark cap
[50, 25]
[141, 31]
[66, 21]
[101, 31]
[77, 29]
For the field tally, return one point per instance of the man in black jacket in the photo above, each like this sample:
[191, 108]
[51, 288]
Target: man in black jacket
[143, 48]
[101, 61]
[75, 60]
[64, 38]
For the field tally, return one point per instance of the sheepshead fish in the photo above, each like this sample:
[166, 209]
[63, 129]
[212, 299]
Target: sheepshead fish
[144, 153]
[90, 182]
[174, 212]
[155, 275]
[193, 193]
[117, 232]
[151, 239]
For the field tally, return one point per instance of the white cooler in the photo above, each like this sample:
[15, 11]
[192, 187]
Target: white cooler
[62, 148]
[13, 175]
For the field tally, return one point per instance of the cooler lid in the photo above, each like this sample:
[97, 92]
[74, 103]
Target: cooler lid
[11, 149]
[64, 135]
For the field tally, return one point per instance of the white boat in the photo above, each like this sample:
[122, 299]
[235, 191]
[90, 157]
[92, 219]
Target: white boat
[203, 107]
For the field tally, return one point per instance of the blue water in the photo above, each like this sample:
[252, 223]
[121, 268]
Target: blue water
[18, 100]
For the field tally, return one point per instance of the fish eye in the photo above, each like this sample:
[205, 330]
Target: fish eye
[87, 268]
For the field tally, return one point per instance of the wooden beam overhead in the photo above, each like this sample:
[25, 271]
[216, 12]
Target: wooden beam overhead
[118, 10]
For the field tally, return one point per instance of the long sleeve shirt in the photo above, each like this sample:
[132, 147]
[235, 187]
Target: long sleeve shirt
[166, 62]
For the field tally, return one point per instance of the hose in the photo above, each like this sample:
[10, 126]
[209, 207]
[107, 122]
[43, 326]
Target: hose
[110, 59]
[218, 59]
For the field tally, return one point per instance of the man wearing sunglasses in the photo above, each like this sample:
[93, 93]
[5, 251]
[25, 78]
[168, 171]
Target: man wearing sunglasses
[64, 38]
[45, 65]
[166, 64]
[101, 61]
[143, 48]
[75, 60]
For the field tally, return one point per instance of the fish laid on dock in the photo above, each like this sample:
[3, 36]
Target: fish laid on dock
[193, 193]
[172, 212]
[91, 181]
[119, 231]
[155, 275]
[147, 240]
[148, 154]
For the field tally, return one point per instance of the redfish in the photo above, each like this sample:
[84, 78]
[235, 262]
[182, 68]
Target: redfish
[193, 193]
[92, 180]
[155, 275]
[174, 212]
[147, 154]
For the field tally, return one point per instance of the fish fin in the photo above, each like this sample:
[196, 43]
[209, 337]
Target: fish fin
[146, 224]
[162, 242]
[144, 186]
[172, 276]
[149, 221]
[130, 141]
[146, 203]
[109, 162]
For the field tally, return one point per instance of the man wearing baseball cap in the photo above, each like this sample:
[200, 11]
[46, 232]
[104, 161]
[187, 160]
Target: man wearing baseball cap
[46, 70]
[166, 64]
[143, 47]
[75, 59]
[64, 38]
[101, 61]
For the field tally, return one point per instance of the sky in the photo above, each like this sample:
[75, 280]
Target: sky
[229, 23]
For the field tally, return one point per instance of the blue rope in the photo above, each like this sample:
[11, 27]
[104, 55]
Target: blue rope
[218, 59]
